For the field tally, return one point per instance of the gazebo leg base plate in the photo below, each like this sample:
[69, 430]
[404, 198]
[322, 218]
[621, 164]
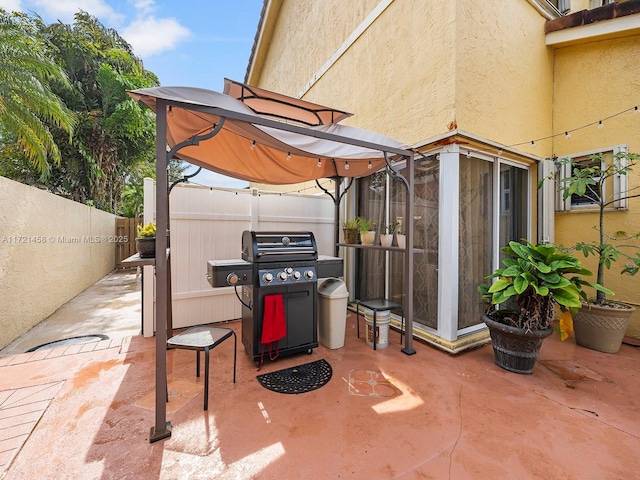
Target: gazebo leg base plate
[157, 435]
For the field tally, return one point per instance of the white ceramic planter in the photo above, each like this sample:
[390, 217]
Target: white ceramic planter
[386, 240]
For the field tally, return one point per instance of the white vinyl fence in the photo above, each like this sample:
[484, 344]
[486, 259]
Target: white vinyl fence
[207, 224]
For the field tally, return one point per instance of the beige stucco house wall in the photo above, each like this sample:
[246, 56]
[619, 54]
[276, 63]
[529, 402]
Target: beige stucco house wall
[594, 79]
[462, 64]
[480, 76]
[51, 249]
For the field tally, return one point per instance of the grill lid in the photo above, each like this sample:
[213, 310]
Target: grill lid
[278, 246]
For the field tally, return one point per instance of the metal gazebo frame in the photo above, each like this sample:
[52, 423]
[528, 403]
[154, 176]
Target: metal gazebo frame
[163, 105]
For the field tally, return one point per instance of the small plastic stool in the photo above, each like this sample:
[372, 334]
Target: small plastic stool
[379, 305]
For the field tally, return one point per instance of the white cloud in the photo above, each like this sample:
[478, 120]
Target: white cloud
[11, 5]
[151, 36]
[144, 7]
[64, 10]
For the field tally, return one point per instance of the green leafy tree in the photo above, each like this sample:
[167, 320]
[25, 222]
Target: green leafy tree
[114, 133]
[132, 199]
[29, 106]
[88, 68]
[590, 181]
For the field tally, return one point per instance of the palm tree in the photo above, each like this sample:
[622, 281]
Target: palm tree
[28, 106]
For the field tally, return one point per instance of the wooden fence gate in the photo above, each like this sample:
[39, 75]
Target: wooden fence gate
[126, 229]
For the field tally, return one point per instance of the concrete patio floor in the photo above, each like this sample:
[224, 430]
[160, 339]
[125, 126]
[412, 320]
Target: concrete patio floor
[85, 412]
[110, 307]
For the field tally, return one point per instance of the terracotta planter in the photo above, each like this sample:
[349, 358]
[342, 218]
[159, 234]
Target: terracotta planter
[368, 237]
[602, 328]
[146, 247]
[515, 349]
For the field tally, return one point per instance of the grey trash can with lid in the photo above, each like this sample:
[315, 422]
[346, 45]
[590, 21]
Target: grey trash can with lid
[333, 299]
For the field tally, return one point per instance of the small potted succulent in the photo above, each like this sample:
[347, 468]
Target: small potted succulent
[350, 228]
[386, 238]
[146, 240]
[401, 237]
[367, 230]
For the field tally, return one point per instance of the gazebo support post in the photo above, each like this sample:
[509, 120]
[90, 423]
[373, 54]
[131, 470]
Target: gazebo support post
[162, 428]
[408, 310]
[164, 317]
[336, 217]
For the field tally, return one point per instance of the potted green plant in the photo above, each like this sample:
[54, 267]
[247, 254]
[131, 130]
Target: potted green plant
[602, 323]
[534, 281]
[146, 240]
[350, 229]
[401, 238]
[367, 230]
[386, 238]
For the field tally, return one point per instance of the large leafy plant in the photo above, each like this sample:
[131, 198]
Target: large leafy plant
[535, 279]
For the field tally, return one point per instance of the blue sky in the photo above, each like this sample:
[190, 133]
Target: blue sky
[194, 43]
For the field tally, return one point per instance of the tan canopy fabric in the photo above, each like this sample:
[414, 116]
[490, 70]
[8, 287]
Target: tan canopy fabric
[277, 106]
[256, 148]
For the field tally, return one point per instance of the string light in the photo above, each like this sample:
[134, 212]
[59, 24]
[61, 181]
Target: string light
[468, 153]
[533, 144]
[346, 166]
[288, 156]
[567, 134]
[499, 151]
[319, 163]
[370, 166]
[253, 145]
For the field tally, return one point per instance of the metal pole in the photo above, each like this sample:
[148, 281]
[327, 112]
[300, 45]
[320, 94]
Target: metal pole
[408, 312]
[162, 428]
[336, 216]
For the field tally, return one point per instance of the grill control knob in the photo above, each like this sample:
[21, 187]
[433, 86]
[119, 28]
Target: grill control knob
[296, 275]
[232, 279]
[308, 275]
[282, 276]
[289, 270]
[267, 277]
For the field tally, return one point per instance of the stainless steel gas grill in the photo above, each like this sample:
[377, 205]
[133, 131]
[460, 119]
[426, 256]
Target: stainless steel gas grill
[277, 263]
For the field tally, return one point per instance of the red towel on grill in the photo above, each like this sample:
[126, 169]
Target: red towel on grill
[274, 324]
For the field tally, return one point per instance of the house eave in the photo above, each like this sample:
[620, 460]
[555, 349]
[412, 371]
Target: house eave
[264, 33]
[604, 30]
[462, 137]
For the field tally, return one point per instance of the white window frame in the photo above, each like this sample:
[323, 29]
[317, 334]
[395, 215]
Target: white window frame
[620, 182]
[563, 6]
[599, 3]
